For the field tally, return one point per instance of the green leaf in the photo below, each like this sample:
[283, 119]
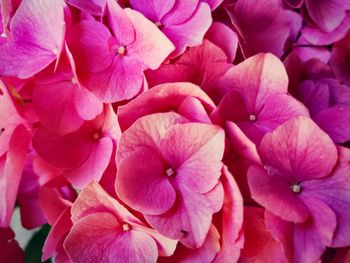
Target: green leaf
[33, 250]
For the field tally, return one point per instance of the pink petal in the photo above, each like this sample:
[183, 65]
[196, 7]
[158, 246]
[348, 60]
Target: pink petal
[259, 245]
[267, 76]
[9, 118]
[225, 38]
[339, 60]
[181, 12]
[10, 250]
[146, 131]
[104, 230]
[161, 99]
[151, 46]
[299, 150]
[276, 195]
[142, 182]
[194, 151]
[189, 220]
[11, 167]
[192, 109]
[57, 234]
[232, 220]
[213, 3]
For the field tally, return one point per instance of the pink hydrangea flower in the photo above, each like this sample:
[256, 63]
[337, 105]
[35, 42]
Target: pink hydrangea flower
[101, 221]
[180, 164]
[258, 103]
[83, 155]
[305, 200]
[110, 62]
[37, 35]
[184, 22]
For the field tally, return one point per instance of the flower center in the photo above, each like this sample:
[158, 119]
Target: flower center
[296, 188]
[121, 50]
[96, 136]
[170, 172]
[55, 51]
[252, 117]
[126, 227]
[74, 80]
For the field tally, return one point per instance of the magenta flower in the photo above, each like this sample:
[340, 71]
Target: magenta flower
[111, 63]
[307, 202]
[183, 22]
[37, 35]
[329, 104]
[101, 221]
[258, 103]
[180, 164]
[83, 155]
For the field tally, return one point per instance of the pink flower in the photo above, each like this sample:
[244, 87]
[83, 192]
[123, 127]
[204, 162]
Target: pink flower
[83, 155]
[111, 63]
[184, 22]
[184, 98]
[100, 221]
[37, 36]
[203, 65]
[180, 164]
[306, 202]
[257, 99]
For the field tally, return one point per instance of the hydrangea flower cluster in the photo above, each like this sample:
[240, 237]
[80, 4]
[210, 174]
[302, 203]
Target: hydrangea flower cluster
[176, 130]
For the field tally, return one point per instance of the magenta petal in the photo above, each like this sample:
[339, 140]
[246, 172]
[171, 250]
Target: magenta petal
[154, 10]
[336, 122]
[151, 46]
[194, 151]
[94, 7]
[299, 149]
[189, 220]
[87, 105]
[181, 12]
[334, 191]
[23, 60]
[327, 14]
[11, 168]
[310, 240]
[95, 231]
[142, 183]
[191, 32]
[276, 196]
[192, 109]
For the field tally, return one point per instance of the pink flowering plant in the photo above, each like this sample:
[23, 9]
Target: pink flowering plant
[175, 131]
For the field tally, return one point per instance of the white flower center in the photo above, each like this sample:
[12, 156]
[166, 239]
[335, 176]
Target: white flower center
[252, 117]
[170, 172]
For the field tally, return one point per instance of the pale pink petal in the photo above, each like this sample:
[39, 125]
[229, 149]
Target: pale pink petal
[142, 182]
[181, 12]
[267, 76]
[194, 151]
[225, 38]
[103, 230]
[146, 131]
[192, 109]
[299, 149]
[11, 168]
[151, 46]
[161, 99]
[189, 220]
[213, 3]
